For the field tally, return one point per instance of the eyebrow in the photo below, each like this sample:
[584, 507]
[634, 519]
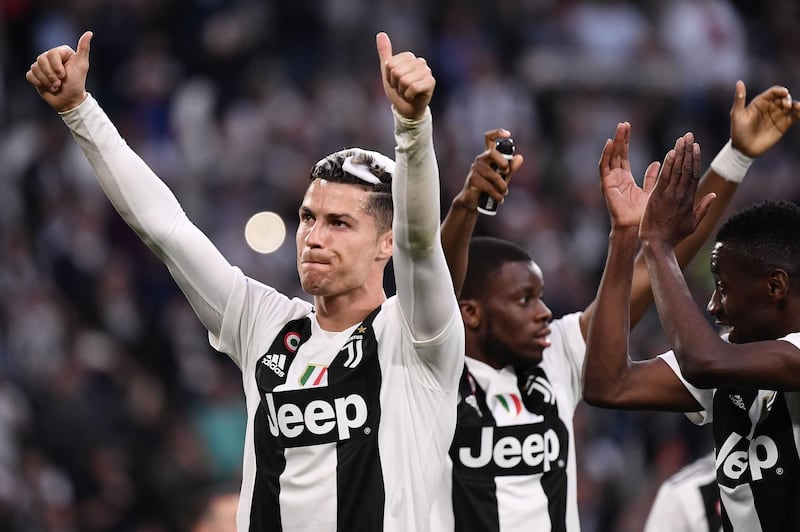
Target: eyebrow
[330, 216]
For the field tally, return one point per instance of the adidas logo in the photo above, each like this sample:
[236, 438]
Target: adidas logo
[276, 363]
[737, 400]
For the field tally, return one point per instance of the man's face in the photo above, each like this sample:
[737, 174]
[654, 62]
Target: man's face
[337, 242]
[739, 301]
[514, 322]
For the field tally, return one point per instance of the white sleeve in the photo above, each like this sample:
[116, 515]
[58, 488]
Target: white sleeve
[424, 288]
[667, 513]
[150, 209]
[703, 396]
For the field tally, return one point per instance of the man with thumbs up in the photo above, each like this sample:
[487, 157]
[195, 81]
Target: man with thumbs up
[351, 398]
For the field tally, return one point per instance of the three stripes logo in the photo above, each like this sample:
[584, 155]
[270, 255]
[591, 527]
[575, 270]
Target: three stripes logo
[276, 363]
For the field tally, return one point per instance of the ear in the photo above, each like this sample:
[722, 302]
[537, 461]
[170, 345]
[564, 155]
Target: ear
[385, 243]
[778, 283]
[471, 313]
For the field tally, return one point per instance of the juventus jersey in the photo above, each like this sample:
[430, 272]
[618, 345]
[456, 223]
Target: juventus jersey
[688, 501]
[512, 461]
[355, 413]
[346, 431]
[757, 444]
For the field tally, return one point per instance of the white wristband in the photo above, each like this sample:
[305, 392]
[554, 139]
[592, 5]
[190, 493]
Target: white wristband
[731, 164]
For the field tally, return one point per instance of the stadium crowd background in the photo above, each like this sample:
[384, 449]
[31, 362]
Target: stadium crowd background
[115, 414]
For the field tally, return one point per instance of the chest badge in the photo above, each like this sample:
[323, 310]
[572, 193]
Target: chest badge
[313, 375]
[510, 402]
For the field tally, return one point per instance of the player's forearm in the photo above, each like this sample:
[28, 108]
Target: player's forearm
[685, 251]
[724, 190]
[423, 281]
[416, 192]
[607, 363]
[457, 229]
[692, 338]
[150, 208]
[138, 195]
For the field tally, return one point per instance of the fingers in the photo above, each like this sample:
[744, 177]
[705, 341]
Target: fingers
[739, 97]
[417, 81]
[778, 93]
[48, 69]
[681, 170]
[651, 176]
[84, 44]
[384, 46]
[622, 141]
[615, 152]
[484, 178]
[408, 74]
[677, 162]
[492, 135]
[605, 158]
[701, 209]
[516, 163]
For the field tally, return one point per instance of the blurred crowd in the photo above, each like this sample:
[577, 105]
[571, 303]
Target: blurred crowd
[116, 415]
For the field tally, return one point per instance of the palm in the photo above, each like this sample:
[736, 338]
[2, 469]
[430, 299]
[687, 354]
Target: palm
[625, 199]
[760, 125]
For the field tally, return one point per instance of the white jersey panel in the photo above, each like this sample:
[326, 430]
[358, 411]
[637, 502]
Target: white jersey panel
[688, 501]
[522, 488]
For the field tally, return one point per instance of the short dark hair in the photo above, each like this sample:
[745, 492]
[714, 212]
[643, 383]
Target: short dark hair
[379, 205]
[486, 256]
[765, 235]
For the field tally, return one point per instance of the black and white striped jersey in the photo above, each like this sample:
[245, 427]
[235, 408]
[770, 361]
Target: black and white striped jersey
[757, 444]
[688, 501]
[346, 431]
[512, 461]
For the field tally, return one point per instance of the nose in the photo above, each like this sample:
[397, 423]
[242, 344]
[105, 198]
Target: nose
[312, 234]
[543, 313]
[714, 307]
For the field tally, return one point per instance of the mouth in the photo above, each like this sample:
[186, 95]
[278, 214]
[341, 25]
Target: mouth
[313, 260]
[541, 338]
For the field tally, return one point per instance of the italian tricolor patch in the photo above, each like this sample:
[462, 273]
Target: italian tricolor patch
[313, 375]
[510, 402]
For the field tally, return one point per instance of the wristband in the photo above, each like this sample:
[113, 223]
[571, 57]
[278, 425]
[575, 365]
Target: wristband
[731, 164]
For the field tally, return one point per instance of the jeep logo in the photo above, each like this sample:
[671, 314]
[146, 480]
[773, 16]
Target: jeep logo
[526, 454]
[761, 453]
[317, 421]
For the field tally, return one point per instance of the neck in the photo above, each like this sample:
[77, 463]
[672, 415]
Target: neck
[474, 351]
[337, 313]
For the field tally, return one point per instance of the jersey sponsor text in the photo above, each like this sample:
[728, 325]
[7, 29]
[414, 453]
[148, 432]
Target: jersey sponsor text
[299, 418]
[511, 451]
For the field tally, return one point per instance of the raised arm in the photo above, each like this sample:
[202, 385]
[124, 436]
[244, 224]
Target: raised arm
[706, 360]
[421, 276]
[140, 197]
[611, 378]
[460, 221]
[755, 128]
